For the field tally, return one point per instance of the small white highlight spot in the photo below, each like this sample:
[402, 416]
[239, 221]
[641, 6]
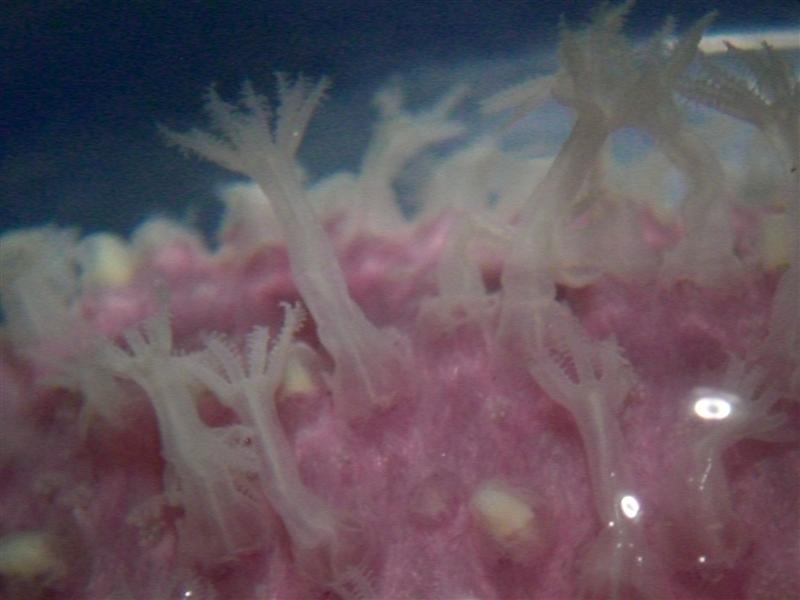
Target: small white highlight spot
[786, 39]
[630, 506]
[701, 559]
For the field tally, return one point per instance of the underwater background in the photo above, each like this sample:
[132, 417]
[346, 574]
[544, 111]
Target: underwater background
[84, 84]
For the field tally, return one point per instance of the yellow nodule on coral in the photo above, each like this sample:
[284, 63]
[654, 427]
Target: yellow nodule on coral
[510, 520]
[29, 555]
[504, 513]
[776, 236]
[107, 261]
[297, 379]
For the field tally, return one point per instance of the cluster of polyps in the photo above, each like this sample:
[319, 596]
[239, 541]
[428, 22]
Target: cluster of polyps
[492, 263]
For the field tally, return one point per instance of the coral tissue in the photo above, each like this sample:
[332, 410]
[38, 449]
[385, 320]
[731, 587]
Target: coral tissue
[557, 377]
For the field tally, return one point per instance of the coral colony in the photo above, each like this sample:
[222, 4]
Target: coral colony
[554, 379]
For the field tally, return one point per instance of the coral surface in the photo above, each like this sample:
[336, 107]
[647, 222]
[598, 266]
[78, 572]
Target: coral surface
[554, 378]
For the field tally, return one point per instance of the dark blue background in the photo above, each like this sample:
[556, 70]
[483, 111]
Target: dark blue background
[83, 83]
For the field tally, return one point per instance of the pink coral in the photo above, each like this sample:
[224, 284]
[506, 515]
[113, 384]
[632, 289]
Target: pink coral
[487, 397]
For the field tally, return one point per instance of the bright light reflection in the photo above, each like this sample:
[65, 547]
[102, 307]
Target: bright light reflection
[714, 405]
[712, 409]
[630, 506]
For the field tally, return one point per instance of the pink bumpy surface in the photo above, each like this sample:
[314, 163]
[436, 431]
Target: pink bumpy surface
[471, 415]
